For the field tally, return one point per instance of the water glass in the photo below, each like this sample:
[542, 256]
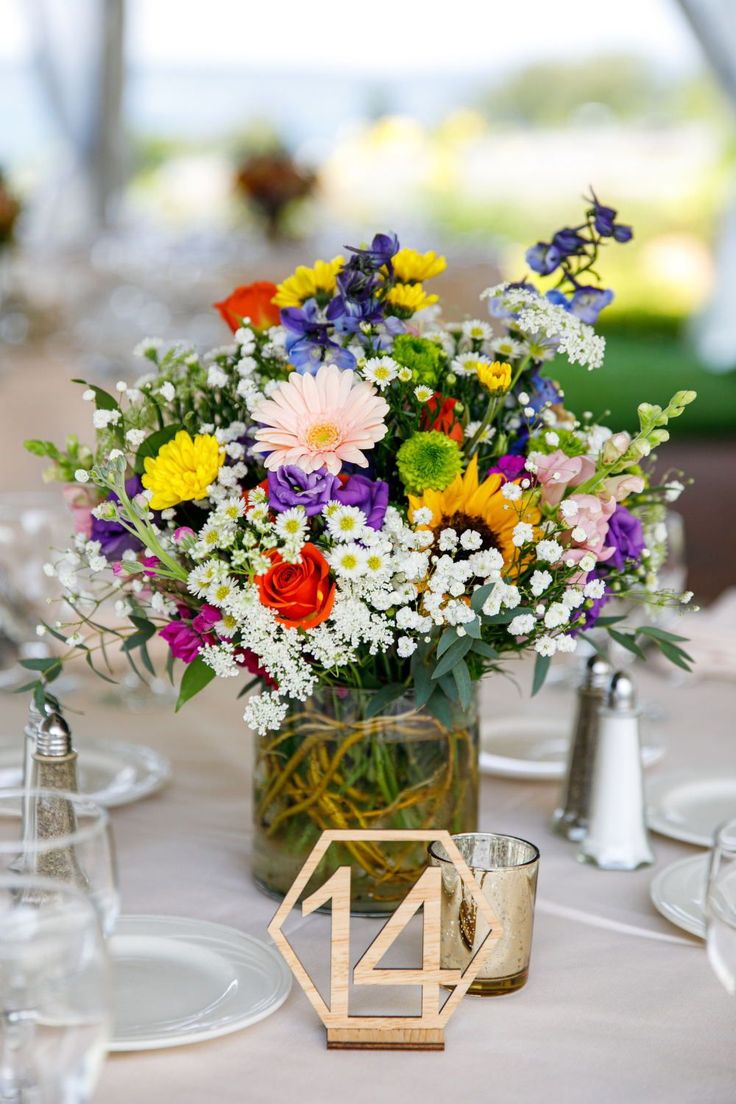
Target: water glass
[505, 868]
[62, 836]
[720, 906]
[54, 993]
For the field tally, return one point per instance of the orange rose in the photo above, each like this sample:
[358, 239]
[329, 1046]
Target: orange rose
[251, 301]
[302, 594]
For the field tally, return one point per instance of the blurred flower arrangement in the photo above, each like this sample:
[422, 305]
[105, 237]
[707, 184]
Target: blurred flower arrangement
[273, 184]
[10, 210]
[360, 509]
[354, 493]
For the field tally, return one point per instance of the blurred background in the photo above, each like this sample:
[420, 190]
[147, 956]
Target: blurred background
[154, 154]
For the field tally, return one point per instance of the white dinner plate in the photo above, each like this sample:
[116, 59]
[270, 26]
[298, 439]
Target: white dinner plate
[534, 747]
[110, 772]
[690, 805]
[179, 981]
[678, 892]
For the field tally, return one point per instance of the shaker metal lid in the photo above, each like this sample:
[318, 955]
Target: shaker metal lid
[597, 673]
[50, 705]
[622, 694]
[54, 736]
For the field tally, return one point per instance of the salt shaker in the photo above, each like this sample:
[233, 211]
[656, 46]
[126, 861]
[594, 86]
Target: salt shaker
[617, 837]
[55, 768]
[570, 818]
[35, 717]
[54, 759]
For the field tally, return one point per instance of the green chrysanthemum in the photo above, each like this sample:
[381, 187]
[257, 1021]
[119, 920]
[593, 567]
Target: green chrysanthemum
[428, 461]
[424, 357]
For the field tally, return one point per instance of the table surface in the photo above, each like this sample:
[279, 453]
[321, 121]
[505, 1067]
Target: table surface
[620, 1006]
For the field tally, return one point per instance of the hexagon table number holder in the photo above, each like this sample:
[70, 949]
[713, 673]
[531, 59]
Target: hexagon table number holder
[345, 1031]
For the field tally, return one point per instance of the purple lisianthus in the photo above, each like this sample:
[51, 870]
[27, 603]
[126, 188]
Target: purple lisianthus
[113, 538]
[369, 495]
[290, 486]
[187, 638]
[509, 466]
[625, 536]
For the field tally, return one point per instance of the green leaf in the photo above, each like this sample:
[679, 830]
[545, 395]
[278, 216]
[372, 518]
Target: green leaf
[447, 682]
[45, 665]
[196, 676]
[481, 648]
[440, 707]
[461, 675]
[675, 655]
[626, 641]
[383, 697]
[541, 667]
[135, 640]
[103, 400]
[449, 636]
[423, 685]
[603, 622]
[153, 443]
[453, 655]
[473, 628]
[659, 634]
[481, 596]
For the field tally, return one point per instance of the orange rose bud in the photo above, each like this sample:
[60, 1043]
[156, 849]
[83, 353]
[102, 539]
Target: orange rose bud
[251, 301]
[301, 594]
[439, 414]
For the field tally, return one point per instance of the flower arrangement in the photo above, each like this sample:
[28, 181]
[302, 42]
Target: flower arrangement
[356, 493]
[272, 184]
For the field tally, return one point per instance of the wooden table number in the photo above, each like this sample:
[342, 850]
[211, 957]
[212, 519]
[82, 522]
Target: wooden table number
[422, 1032]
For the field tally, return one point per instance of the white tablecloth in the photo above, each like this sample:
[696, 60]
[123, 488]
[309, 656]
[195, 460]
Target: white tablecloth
[620, 1006]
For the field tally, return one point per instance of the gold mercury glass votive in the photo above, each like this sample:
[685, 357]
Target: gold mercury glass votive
[505, 868]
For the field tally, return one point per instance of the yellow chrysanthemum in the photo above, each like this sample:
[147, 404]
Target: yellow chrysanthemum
[495, 376]
[410, 298]
[308, 283]
[469, 504]
[182, 470]
[413, 267]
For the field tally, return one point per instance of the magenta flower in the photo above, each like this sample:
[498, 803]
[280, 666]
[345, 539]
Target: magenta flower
[187, 638]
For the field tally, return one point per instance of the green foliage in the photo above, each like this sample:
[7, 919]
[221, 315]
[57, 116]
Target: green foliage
[196, 676]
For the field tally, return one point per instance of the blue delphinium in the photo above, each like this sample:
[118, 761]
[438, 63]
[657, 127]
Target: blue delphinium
[573, 251]
[308, 340]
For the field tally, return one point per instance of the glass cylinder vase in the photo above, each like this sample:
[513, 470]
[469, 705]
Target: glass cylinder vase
[333, 765]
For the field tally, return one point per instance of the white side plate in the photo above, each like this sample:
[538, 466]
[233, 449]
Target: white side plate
[690, 805]
[678, 892]
[533, 748]
[110, 772]
[179, 981]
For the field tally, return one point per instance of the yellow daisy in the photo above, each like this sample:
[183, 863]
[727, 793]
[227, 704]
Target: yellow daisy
[182, 470]
[407, 299]
[413, 267]
[469, 504]
[308, 283]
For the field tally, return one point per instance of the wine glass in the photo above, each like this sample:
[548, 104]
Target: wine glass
[63, 836]
[720, 906]
[54, 992]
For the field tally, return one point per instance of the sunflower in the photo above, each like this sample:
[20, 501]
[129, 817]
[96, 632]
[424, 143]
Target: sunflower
[470, 504]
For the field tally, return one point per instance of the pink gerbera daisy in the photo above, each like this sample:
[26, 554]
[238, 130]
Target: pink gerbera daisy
[320, 421]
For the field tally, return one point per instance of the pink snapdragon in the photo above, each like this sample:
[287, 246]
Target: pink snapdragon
[621, 486]
[556, 471]
[588, 517]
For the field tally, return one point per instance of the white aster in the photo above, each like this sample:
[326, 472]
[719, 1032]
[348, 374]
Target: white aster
[381, 371]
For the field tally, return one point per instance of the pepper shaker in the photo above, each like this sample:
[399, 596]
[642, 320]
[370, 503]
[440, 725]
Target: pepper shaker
[617, 837]
[570, 818]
